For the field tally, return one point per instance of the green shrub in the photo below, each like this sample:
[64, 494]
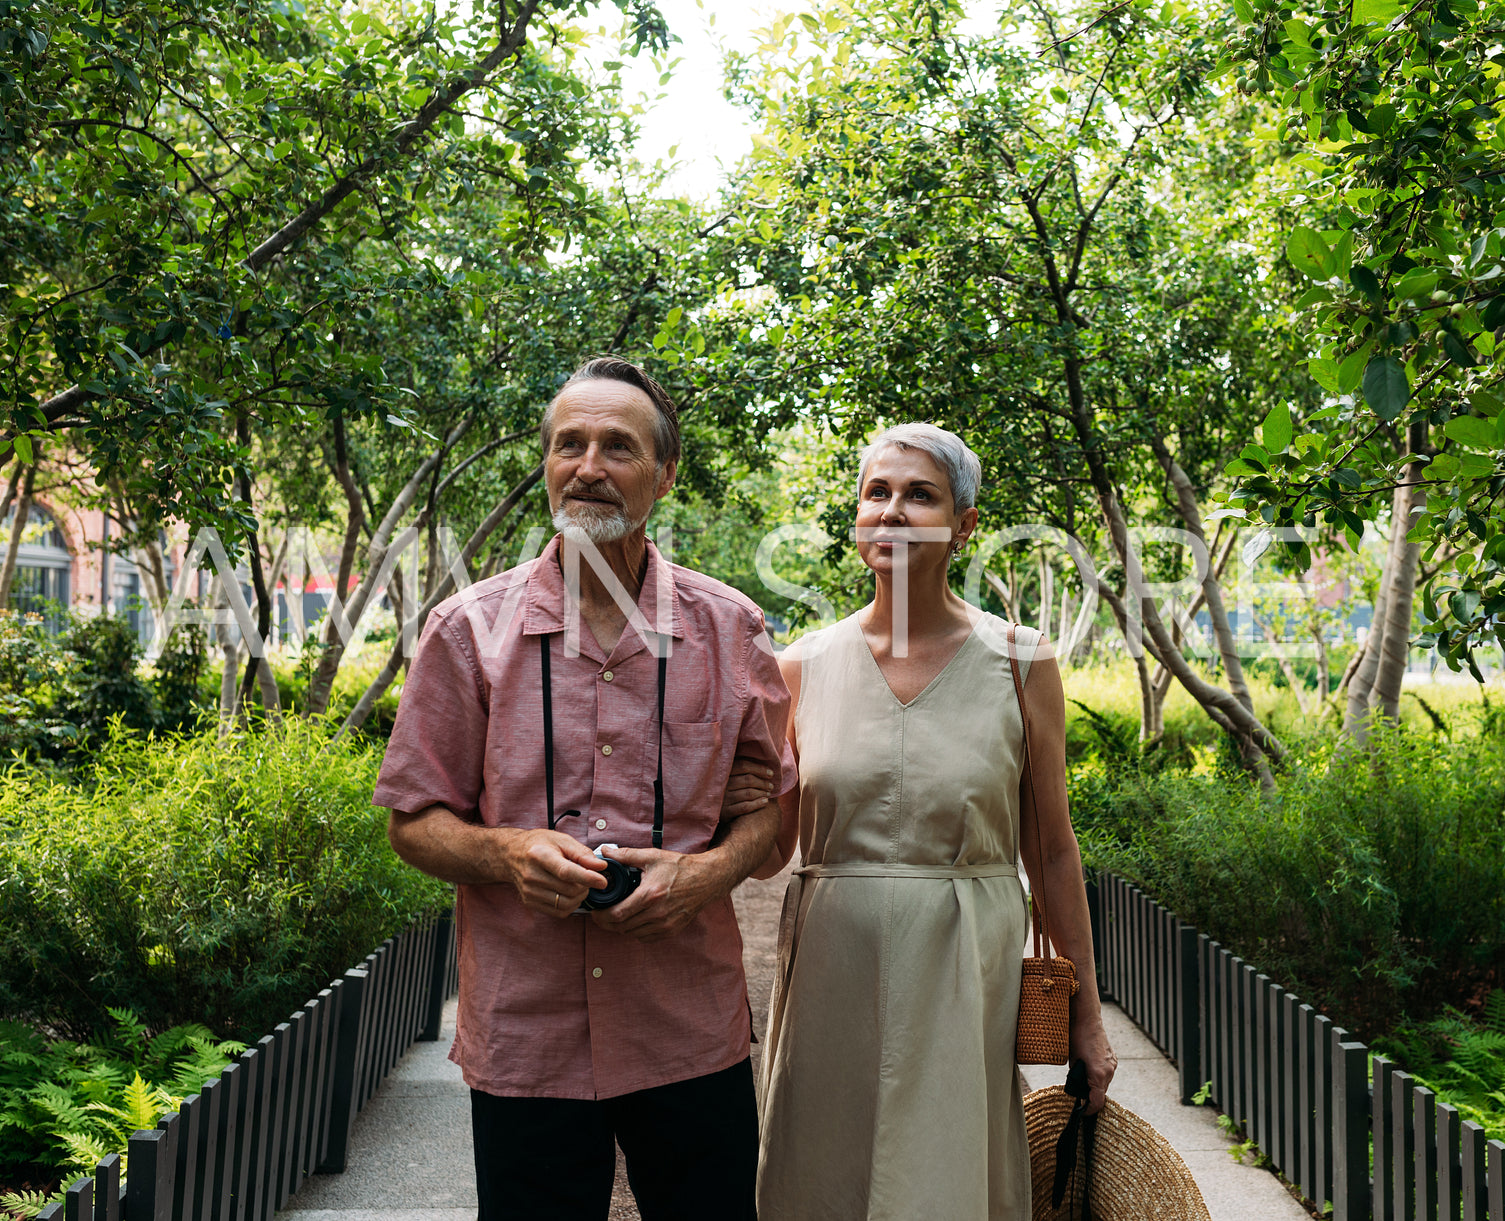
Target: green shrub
[1373, 882]
[60, 693]
[195, 881]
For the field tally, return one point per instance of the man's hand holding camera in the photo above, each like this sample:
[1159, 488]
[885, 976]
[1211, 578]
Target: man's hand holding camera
[552, 871]
[676, 885]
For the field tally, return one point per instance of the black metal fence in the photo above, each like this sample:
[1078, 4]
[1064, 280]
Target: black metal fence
[238, 1149]
[1343, 1126]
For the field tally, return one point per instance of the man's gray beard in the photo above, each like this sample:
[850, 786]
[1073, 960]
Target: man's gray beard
[594, 528]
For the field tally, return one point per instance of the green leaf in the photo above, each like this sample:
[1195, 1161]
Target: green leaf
[1342, 258]
[1457, 351]
[1443, 466]
[1487, 404]
[1351, 368]
[1324, 372]
[1417, 283]
[1275, 432]
[1243, 12]
[1493, 316]
[283, 148]
[674, 315]
[1471, 431]
[1308, 252]
[1365, 281]
[1239, 467]
[1375, 12]
[1386, 387]
[23, 448]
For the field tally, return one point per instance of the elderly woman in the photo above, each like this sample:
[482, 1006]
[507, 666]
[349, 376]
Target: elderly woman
[889, 1083]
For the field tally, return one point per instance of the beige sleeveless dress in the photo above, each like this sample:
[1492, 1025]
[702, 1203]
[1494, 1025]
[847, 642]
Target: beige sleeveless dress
[889, 1088]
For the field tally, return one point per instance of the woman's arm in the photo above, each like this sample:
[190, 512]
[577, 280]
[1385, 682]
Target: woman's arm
[789, 803]
[1045, 829]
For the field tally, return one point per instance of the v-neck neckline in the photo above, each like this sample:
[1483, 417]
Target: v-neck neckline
[935, 678]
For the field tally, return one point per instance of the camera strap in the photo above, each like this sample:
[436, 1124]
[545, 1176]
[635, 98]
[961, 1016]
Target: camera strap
[548, 743]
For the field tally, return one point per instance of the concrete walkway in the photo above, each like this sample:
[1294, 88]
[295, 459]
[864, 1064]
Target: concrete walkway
[410, 1155]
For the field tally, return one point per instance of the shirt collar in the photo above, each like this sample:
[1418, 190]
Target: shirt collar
[545, 601]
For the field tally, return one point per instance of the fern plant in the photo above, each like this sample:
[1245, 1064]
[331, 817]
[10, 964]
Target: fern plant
[1461, 1060]
[65, 1106]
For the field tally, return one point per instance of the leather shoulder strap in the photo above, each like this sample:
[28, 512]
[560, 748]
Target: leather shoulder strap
[1037, 885]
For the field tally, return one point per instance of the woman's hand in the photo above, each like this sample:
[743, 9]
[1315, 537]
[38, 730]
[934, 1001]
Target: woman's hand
[748, 789]
[1089, 1043]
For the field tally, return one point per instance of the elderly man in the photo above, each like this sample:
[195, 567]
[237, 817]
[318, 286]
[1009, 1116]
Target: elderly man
[598, 696]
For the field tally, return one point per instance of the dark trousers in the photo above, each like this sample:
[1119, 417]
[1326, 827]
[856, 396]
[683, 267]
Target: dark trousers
[691, 1150]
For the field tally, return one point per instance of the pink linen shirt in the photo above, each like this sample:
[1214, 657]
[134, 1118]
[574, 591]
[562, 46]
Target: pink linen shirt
[561, 1008]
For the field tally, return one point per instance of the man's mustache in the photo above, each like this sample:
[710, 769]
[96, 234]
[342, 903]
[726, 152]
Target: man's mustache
[602, 491]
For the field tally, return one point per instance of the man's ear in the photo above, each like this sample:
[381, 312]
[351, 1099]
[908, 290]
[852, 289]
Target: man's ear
[666, 479]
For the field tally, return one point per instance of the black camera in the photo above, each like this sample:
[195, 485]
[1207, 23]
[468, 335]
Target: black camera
[621, 881]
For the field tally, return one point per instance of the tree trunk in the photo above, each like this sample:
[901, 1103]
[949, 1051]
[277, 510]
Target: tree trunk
[1047, 593]
[1151, 691]
[1362, 681]
[258, 668]
[1212, 587]
[1324, 664]
[322, 683]
[8, 497]
[1258, 746]
[17, 529]
[442, 589]
[228, 640]
[1395, 644]
[1005, 595]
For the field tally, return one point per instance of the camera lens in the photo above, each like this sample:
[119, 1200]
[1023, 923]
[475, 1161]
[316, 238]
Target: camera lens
[621, 881]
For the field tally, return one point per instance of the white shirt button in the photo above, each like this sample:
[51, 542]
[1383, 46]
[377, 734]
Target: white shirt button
[596, 972]
[607, 676]
[606, 750]
[600, 824]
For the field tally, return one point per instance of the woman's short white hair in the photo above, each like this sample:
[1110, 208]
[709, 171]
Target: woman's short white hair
[963, 468]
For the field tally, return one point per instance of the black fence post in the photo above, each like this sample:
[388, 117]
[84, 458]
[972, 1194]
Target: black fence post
[148, 1187]
[343, 1087]
[444, 932]
[1191, 1015]
[1475, 1184]
[107, 1189]
[1497, 1180]
[184, 1179]
[1350, 1130]
[78, 1204]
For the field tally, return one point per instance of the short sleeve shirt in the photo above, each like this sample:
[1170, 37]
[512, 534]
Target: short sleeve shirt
[561, 1008]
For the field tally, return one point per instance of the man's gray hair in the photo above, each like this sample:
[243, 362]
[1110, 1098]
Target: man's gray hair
[963, 468]
[615, 369]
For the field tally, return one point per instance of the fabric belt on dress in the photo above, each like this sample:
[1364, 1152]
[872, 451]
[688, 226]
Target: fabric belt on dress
[883, 869]
[863, 869]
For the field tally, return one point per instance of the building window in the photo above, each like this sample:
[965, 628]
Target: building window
[43, 565]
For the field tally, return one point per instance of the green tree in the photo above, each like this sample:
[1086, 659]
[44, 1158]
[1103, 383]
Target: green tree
[1021, 237]
[1388, 115]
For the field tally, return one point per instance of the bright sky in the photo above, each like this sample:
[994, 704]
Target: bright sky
[708, 133]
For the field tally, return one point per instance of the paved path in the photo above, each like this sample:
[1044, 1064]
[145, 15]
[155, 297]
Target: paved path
[410, 1157]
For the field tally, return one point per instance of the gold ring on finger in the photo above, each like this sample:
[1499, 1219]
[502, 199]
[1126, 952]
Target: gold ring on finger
[556, 900]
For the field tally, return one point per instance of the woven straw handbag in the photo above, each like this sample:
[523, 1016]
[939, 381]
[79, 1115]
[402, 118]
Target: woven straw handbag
[1048, 983]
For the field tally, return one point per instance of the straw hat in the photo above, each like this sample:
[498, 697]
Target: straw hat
[1136, 1175]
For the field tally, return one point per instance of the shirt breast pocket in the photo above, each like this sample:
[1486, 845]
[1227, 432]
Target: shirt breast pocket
[693, 780]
